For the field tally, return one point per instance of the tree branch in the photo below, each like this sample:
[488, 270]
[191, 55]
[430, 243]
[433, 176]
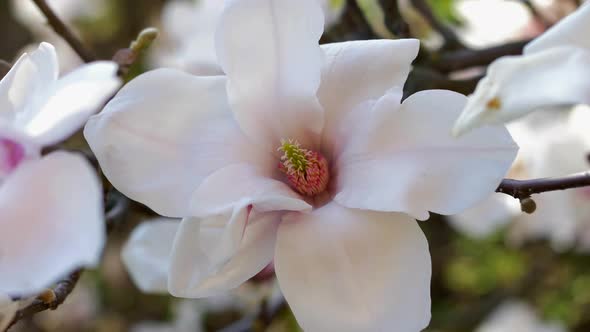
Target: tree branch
[451, 61]
[451, 39]
[51, 299]
[61, 29]
[522, 189]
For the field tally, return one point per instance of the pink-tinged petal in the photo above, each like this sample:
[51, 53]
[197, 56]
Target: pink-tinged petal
[570, 31]
[11, 155]
[51, 218]
[146, 254]
[244, 184]
[27, 81]
[213, 255]
[163, 134]
[352, 270]
[69, 102]
[404, 158]
[357, 71]
[8, 309]
[269, 51]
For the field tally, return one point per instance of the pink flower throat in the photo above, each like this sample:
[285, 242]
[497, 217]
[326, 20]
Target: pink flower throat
[307, 171]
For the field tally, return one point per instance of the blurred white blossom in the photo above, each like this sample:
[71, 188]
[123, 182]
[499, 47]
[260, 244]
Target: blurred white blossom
[516, 316]
[50, 206]
[68, 10]
[487, 217]
[553, 73]
[302, 154]
[551, 145]
[188, 34]
[557, 147]
[491, 22]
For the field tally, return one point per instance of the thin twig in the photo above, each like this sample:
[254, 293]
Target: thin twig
[451, 61]
[451, 39]
[522, 189]
[61, 29]
[58, 295]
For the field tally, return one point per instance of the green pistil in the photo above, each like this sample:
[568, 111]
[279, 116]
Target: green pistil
[294, 156]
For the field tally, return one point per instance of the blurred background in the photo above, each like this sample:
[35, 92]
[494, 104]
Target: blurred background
[494, 268]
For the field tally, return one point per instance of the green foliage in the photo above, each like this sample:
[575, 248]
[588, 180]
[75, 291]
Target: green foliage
[479, 267]
[445, 10]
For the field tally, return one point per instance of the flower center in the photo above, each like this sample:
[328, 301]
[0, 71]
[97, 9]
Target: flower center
[11, 154]
[307, 171]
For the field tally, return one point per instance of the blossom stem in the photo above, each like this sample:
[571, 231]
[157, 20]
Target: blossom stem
[522, 189]
[62, 29]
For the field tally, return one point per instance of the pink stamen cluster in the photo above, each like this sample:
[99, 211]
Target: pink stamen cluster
[307, 171]
[11, 154]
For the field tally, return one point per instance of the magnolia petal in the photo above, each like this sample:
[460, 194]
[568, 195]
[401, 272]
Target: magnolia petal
[69, 102]
[244, 184]
[147, 254]
[570, 31]
[515, 86]
[64, 230]
[404, 159]
[269, 51]
[165, 132]
[27, 80]
[351, 270]
[357, 71]
[213, 255]
[8, 309]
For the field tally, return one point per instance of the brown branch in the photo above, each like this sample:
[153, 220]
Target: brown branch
[451, 39]
[61, 29]
[451, 61]
[423, 78]
[51, 299]
[522, 189]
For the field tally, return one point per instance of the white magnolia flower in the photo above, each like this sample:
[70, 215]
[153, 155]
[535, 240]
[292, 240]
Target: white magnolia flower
[553, 73]
[305, 155]
[516, 316]
[188, 29]
[50, 206]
